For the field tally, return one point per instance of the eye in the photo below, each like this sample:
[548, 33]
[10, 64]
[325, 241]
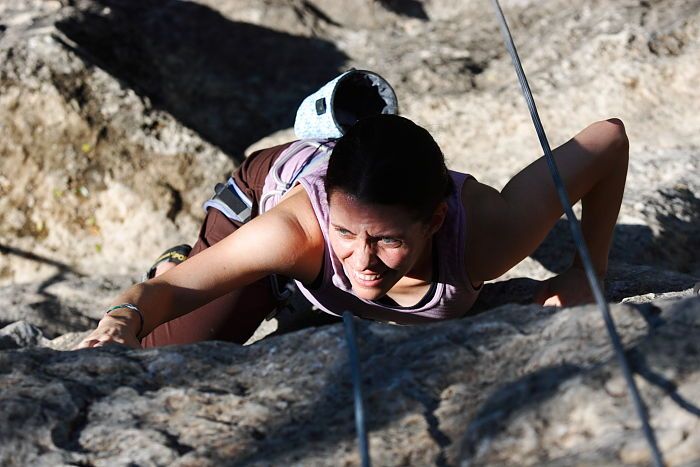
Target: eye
[390, 241]
[342, 232]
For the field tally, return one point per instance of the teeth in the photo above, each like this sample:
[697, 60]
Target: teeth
[367, 277]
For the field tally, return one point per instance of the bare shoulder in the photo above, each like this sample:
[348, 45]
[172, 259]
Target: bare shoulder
[295, 220]
[296, 209]
[483, 204]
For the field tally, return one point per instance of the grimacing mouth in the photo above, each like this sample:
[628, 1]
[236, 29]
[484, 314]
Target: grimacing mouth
[368, 277]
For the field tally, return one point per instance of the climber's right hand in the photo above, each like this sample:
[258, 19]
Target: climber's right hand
[114, 328]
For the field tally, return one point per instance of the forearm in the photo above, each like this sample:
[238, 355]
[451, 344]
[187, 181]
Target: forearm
[152, 300]
[159, 302]
[274, 243]
[122, 324]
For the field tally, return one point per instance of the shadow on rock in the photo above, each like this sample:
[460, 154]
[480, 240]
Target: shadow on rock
[333, 406]
[519, 290]
[674, 325]
[410, 8]
[678, 243]
[231, 82]
[642, 368]
[676, 214]
[50, 307]
[395, 381]
[640, 261]
[666, 358]
[508, 400]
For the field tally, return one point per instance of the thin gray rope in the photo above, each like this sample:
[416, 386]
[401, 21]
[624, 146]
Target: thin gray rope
[579, 240]
[357, 388]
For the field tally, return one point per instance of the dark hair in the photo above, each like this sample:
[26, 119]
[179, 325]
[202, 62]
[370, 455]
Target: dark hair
[387, 159]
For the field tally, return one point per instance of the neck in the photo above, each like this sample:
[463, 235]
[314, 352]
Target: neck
[411, 289]
[423, 269]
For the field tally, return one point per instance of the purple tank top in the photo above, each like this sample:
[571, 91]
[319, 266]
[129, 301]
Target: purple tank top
[451, 296]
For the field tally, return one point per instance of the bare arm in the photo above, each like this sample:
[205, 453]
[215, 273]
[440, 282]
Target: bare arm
[505, 227]
[286, 240]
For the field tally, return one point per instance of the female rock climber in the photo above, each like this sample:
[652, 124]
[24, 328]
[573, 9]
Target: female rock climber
[381, 228]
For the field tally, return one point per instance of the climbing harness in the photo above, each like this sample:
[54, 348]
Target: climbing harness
[277, 185]
[231, 201]
[578, 240]
[234, 204]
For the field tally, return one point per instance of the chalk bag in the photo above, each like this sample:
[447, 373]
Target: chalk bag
[333, 109]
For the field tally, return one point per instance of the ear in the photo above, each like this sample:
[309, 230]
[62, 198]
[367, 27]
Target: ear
[438, 218]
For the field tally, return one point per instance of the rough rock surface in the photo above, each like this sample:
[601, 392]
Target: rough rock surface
[117, 117]
[519, 385]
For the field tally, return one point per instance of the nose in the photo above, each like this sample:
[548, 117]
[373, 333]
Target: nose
[363, 256]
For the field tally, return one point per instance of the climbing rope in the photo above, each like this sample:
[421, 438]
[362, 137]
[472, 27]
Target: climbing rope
[357, 388]
[579, 241]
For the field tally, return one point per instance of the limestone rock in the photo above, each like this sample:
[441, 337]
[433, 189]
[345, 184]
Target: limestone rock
[65, 303]
[118, 117]
[518, 385]
[586, 417]
[20, 334]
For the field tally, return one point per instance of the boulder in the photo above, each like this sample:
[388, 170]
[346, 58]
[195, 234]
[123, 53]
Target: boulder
[117, 118]
[517, 385]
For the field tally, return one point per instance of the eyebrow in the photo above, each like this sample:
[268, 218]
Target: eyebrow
[338, 226]
[396, 236]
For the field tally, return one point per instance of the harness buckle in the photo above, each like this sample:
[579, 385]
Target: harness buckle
[231, 201]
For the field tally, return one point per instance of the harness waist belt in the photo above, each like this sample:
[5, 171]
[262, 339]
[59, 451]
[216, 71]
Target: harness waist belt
[231, 201]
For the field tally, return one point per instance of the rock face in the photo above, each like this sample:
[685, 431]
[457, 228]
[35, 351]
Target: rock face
[519, 385]
[123, 115]
[117, 118]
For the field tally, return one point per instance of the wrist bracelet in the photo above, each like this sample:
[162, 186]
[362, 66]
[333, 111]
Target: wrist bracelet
[129, 306]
